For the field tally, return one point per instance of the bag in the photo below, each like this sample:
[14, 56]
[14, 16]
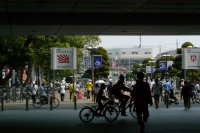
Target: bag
[80, 96]
[112, 89]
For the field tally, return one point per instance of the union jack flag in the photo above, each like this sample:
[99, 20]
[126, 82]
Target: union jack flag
[63, 58]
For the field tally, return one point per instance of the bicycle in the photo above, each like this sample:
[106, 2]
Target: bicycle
[87, 113]
[39, 101]
[130, 105]
[166, 98]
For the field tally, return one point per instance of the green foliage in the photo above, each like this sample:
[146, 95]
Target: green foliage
[101, 72]
[186, 44]
[17, 51]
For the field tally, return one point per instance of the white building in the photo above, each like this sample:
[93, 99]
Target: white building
[129, 55]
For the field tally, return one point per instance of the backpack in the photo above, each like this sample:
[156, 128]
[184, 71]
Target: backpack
[112, 89]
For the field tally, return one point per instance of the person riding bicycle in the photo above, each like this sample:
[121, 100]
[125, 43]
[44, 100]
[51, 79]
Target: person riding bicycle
[43, 95]
[101, 97]
[118, 90]
[167, 87]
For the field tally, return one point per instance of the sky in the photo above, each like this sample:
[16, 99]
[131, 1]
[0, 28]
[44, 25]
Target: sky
[158, 43]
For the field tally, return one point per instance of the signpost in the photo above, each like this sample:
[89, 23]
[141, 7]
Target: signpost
[191, 58]
[63, 58]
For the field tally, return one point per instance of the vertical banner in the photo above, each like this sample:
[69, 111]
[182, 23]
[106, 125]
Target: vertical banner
[163, 65]
[86, 62]
[63, 58]
[191, 58]
[97, 61]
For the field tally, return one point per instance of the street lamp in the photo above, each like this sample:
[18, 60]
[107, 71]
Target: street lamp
[91, 49]
[166, 55]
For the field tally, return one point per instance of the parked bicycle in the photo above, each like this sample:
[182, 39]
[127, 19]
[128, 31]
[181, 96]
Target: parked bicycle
[39, 101]
[88, 113]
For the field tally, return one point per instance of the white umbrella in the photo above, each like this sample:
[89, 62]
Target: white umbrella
[100, 82]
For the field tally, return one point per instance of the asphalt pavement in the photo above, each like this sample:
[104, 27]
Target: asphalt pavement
[65, 119]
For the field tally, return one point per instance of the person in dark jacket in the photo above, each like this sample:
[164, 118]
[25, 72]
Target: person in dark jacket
[100, 97]
[141, 95]
[186, 92]
[118, 90]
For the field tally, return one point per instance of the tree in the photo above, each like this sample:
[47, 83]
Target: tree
[18, 51]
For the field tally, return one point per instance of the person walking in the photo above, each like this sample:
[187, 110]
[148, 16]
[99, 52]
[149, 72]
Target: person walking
[33, 91]
[141, 95]
[186, 94]
[96, 90]
[62, 91]
[89, 87]
[70, 87]
[157, 91]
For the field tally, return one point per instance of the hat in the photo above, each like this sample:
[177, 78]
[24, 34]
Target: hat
[89, 80]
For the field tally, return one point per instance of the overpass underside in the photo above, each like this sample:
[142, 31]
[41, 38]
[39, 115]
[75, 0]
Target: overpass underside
[99, 17]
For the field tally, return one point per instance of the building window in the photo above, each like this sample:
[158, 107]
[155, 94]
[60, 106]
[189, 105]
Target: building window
[134, 52]
[123, 52]
[147, 53]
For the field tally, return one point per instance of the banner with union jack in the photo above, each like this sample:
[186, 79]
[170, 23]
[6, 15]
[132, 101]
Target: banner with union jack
[63, 58]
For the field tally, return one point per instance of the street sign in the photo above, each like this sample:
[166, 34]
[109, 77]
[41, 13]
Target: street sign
[191, 58]
[63, 58]
[86, 62]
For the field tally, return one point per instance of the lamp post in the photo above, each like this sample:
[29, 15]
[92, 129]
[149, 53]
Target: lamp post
[166, 55]
[91, 49]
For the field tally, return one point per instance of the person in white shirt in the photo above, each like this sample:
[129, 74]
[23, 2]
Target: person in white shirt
[33, 90]
[62, 92]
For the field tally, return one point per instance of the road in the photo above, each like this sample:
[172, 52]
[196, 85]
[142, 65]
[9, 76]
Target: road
[65, 119]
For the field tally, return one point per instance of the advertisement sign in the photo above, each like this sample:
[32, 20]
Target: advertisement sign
[163, 65]
[97, 61]
[63, 58]
[191, 58]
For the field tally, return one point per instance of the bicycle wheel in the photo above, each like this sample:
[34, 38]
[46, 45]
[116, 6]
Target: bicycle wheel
[55, 102]
[86, 114]
[37, 103]
[132, 110]
[115, 105]
[110, 113]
